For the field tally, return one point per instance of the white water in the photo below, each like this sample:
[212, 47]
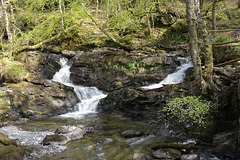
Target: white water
[174, 78]
[88, 96]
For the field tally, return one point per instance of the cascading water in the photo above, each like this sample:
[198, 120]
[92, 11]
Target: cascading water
[174, 78]
[88, 96]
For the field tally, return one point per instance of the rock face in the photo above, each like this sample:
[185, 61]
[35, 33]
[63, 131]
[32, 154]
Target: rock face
[131, 134]
[110, 69]
[36, 98]
[45, 64]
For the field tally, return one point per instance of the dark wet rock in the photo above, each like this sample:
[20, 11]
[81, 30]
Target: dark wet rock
[138, 103]
[65, 129]
[56, 139]
[131, 134]
[176, 145]
[193, 156]
[88, 129]
[225, 142]
[5, 140]
[107, 141]
[110, 69]
[140, 156]
[77, 134]
[166, 153]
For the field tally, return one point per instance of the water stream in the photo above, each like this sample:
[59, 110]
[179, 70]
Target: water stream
[106, 126]
[174, 78]
[88, 96]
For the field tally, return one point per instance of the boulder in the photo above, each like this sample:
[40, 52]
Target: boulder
[131, 134]
[140, 156]
[56, 139]
[65, 129]
[166, 153]
[41, 99]
[77, 134]
[5, 140]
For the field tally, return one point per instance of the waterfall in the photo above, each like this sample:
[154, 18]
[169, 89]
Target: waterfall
[88, 96]
[174, 78]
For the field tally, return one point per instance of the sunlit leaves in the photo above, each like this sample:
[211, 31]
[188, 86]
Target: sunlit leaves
[190, 110]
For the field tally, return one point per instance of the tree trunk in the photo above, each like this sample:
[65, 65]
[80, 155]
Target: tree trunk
[238, 139]
[61, 12]
[148, 22]
[214, 14]
[208, 54]
[7, 24]
[13, 26]
[97, 6]
[193, 42]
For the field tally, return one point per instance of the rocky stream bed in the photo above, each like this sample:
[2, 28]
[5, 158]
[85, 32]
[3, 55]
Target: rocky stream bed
[31, 108]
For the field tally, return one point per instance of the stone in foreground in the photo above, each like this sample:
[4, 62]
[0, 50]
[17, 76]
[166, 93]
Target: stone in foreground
[166, 153]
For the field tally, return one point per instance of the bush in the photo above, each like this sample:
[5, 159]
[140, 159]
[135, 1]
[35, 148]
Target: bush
[222, 38]
[190, 110]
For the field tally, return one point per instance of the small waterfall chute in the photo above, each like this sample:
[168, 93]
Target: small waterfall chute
[174, 78]
[88, 97]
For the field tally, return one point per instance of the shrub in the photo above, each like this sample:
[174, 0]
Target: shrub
[190, 110]
[222, 38]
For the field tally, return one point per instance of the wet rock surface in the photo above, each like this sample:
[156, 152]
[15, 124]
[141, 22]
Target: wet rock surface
[107, 141]
[193, 156]
[131, 134]
[140, 156]
[166, 153]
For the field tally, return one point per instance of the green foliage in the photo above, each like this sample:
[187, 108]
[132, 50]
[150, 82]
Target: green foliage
[176, 34]
[222, 38]
[14, 73]
[133, 66]
[187, 110]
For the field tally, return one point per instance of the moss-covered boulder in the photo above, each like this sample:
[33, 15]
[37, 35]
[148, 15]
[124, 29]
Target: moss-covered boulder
[35, 97]
[44, 63]
[5, 140]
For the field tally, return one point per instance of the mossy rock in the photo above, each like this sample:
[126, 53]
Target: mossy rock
[176, 34]
[5, 140]
[12, 152]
